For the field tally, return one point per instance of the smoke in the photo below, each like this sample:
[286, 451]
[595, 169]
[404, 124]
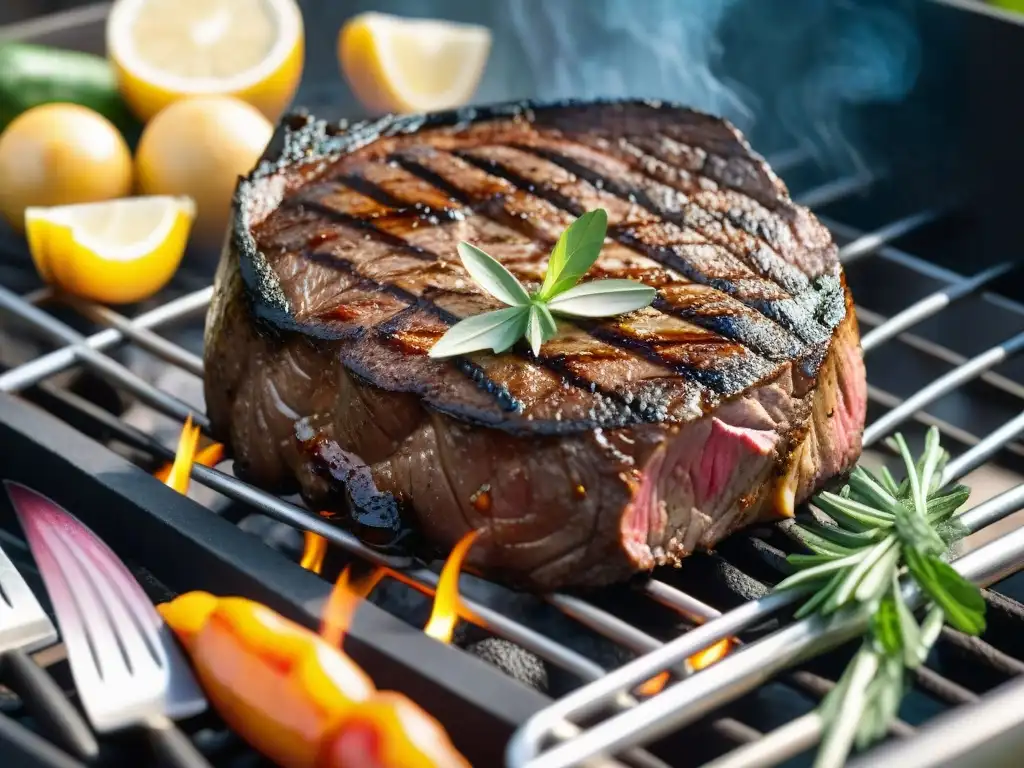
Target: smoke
[874, 57]
[657, 48]
[787, 72]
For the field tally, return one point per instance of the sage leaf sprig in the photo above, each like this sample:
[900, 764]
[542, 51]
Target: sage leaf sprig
[884, 530]
[561, 293]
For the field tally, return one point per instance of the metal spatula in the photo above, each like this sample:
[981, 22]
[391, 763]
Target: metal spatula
[25, 627]
[125, 662]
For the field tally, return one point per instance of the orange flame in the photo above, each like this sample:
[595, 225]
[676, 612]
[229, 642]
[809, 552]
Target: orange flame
[177, 474]
[313, 552]
[711, 654]
[340, 608]
[364, 586]
[697, 662]
[446, 599]
[654, 685]
[344, 600]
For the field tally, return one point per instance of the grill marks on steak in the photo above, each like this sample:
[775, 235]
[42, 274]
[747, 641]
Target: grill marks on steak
[675, 344]
[715, 361]
[629, 441]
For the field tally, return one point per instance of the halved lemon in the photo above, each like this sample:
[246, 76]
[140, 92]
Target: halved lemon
[164, 50]
[412, 65]
[115, 252]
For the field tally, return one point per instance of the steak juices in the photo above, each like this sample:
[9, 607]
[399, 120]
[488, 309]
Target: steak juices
[630, 441]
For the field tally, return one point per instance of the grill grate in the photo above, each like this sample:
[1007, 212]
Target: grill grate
[760, 555]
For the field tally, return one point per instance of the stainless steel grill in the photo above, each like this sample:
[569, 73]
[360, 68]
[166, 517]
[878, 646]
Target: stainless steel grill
[940, 351]
[550, 738]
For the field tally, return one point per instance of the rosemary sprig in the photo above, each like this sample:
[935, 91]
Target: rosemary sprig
[883, 530]
[532, 315]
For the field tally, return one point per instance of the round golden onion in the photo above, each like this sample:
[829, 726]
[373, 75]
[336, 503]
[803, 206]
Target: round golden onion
[198, 147]
[60, 154]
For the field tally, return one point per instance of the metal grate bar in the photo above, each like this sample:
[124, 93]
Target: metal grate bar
[688, 606]
[930, 305]
[889, 400]
[834, 191]
[143, 337]
[110, 370]
[788, 160]
[988, 447]
[868, 243]
[945, 354]
[942, 386]
[612, 627]
[43, 367]
[789, 740]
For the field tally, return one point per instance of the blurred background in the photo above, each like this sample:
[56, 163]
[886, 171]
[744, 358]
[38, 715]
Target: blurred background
[906, 89]
[801, 62]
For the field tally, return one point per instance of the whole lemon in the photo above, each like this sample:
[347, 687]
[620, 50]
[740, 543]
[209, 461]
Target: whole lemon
[198, 147]
[60, 154]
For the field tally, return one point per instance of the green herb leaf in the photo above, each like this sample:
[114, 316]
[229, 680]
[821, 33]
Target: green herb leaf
[540, 326]
[801, 578]
[821, 595]
[873, 492]
[941, 508]
[575, 252]
[836, 537]
[601, 298]
[884, 693]
[961, 601]
[497, 331]
[848, 709]
[876, 581]
[820, 544]
[492, 276]
[915, 531]
[889, 482]
[853, 513]
[885, 626]
[878, 555]
[880, 526]
[915, 651]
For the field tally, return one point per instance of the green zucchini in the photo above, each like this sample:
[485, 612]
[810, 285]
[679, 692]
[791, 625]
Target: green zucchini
[31, 75]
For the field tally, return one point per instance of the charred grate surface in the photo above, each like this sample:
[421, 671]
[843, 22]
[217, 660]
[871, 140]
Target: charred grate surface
[912, 338]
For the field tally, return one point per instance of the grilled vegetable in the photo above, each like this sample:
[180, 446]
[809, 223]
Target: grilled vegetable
[295, 697]
[31, 75]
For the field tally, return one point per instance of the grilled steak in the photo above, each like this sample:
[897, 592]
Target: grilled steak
[629, 441]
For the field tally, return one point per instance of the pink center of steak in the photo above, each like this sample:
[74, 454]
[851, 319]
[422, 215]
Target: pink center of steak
[715, 474]
[684, 487]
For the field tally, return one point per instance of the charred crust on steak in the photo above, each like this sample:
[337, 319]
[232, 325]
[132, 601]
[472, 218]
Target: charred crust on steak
[375, 516]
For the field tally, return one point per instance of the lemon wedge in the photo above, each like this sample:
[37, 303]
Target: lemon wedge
[115, 252]
[412, 65]
[164, 50]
